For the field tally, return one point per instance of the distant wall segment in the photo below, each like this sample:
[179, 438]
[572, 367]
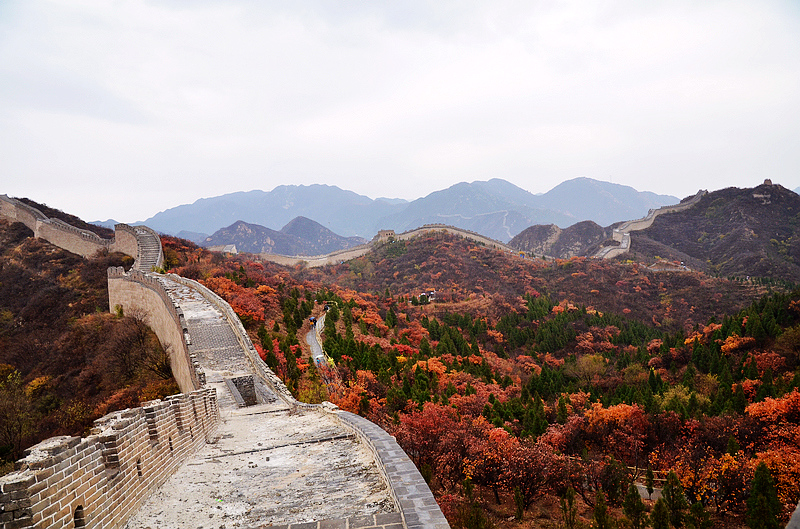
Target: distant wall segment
[382, 237]
[99, 481]
[141, 243]
[622, 233]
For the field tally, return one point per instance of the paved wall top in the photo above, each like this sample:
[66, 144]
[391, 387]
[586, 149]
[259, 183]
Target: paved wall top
[210, 349]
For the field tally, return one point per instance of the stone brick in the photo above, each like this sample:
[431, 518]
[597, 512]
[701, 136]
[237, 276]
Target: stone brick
[333, 524]
[362, 521]
[382, 519]
[18, 483]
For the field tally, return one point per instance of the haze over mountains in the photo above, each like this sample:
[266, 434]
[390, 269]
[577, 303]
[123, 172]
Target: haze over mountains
[495, 208]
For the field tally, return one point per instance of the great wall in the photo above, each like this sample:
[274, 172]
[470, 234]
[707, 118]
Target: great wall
[622, 233]
[234, 449]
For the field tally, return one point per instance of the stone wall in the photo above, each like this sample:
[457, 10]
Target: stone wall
[142, 293]
[622, 233]
[84, 243]
[100, 480]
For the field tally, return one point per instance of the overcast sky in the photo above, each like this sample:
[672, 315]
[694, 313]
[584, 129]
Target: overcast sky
[122, 109]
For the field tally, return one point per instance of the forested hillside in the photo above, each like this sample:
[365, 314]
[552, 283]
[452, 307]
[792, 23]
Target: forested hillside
[515, 383]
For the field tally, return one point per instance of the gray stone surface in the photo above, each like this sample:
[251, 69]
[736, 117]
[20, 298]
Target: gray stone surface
[270, 466]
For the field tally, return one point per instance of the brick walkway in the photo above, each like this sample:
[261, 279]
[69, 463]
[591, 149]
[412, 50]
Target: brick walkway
[212, 339]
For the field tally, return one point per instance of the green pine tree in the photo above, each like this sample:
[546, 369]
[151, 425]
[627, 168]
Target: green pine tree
[569, 510]
[763, 506]
[698, 518]
[600, 517]
[650, 480]
[660, 516]
[634, 509]
[676, 504]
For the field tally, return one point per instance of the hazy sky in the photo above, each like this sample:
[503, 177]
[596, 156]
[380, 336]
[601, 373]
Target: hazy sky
[125, 108]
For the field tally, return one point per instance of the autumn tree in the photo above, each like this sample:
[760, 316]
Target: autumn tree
[533, 468]
[16, 413]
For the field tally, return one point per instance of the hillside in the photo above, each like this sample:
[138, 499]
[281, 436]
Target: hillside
[495, 208]
[732, 232]
[65, 360]
[508, 381]
[103, 231]
[529, 377]
[301, 236]
[462, 272]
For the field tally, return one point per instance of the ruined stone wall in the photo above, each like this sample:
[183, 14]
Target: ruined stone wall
[138, 292]
[99, 481]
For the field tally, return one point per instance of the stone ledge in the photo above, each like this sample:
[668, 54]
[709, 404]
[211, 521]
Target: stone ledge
[374, 521]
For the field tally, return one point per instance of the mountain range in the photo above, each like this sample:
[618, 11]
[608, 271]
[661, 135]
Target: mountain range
[301, 236]
[495, 208]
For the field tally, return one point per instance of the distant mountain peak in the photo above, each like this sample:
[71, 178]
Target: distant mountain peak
[300, 236]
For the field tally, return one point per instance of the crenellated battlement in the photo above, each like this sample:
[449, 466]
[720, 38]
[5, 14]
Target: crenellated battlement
[145, 294]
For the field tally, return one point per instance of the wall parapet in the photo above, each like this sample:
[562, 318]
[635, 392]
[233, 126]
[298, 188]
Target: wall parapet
[258, 366]
[313, 261]
[102, 479]
[183, 363]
